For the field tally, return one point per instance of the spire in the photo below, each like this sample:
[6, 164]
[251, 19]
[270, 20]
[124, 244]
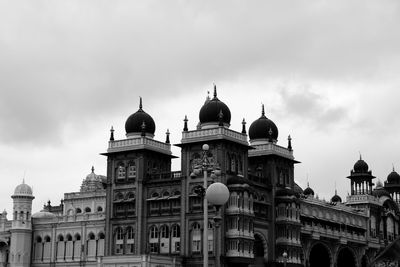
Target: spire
[289, 143]
[92, 169]
[215, 91]
[220, 118]
[393, 167]
[243, 126]
[262, 110]
[167, 138]
[140, 103]
[112, 134]
[185, 124]
[360, 155]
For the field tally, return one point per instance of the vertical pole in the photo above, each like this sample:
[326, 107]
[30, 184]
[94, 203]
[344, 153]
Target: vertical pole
[205, 223]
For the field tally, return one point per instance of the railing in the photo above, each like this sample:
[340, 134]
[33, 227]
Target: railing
[176, 175]
[220, 132]
[270, 148]
[132, 143]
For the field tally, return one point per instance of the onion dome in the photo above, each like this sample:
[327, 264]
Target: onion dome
[23, 190]
[140, 122]
[393, 178]
[215, 111]
[308, 190]
[360, 166]
[93, 182]
[263, 128]
[43, 215]
[336, 198]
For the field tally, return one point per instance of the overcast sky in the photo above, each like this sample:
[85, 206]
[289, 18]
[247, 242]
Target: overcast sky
[327, 72]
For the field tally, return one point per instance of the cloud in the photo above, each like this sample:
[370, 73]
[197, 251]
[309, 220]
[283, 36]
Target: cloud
[73, 62]
[312, 108]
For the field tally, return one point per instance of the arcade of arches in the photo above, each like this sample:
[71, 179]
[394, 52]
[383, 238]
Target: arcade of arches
[321, 256]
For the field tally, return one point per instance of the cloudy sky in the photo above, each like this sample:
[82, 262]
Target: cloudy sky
[327, 72]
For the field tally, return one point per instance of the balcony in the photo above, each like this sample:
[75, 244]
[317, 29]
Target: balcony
[138, 143]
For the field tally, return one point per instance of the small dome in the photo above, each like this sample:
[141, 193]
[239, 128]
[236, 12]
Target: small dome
[308, 191]
[212, 109]
[263, 128]
[23, 190]
[43, 215]
[336, 198]
[139, 119]
[360, 166]
[393, 178]
[93, 182]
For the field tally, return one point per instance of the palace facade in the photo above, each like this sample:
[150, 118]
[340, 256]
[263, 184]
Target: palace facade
[143, 214]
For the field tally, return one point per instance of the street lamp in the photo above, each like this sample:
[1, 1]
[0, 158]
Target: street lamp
[217, 194]
[285, 255]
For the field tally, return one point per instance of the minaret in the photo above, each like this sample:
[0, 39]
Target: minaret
[21, 230]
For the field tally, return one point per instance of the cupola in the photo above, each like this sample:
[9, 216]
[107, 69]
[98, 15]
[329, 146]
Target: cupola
[140, 124]
[393, 177]
[263, 130]
[214, 113]
[308, 191]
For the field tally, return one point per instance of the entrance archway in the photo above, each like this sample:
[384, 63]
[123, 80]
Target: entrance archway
[346, 258]
[319, 256]
[259, 251]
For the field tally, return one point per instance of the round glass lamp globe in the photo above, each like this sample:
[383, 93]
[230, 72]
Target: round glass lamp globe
[205, 147]
[217, 194]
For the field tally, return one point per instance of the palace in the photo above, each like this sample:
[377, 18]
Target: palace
[143, 214]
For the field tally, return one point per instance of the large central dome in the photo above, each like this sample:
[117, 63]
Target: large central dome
[139, 121]
[214, 111]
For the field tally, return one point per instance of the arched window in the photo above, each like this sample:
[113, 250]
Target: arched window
[91, 236]
[164, 231]
[38, 239]
[131, 196]
[196, 237]
[176, 231]
[99, 209]
[60, 238]
[119, 240]
[78, 210]
[101, 235]
[132, 170]
[130, 240]
[87, 210]
[47, 238]
[153, 239]
[77, 237]
[69, 237]
[121, 172]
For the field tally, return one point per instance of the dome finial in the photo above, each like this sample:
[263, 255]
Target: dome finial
[167, 137]
[92, 169]
[140, 103]
[185, 124]
[262, 110]
[243, 126]
[112, 134]
[360, 155]
[393, 166]
[215, 91]
[289, 142]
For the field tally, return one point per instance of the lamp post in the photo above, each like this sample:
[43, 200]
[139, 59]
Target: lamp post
[205, 207]
[285, 255]
[217, 194]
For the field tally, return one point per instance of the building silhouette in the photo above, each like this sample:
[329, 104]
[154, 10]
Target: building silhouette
[143, 214]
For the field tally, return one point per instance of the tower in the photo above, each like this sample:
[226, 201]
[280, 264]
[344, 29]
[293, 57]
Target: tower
[276, 205]
[225, 160]
[134, 165]
[21, 230]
